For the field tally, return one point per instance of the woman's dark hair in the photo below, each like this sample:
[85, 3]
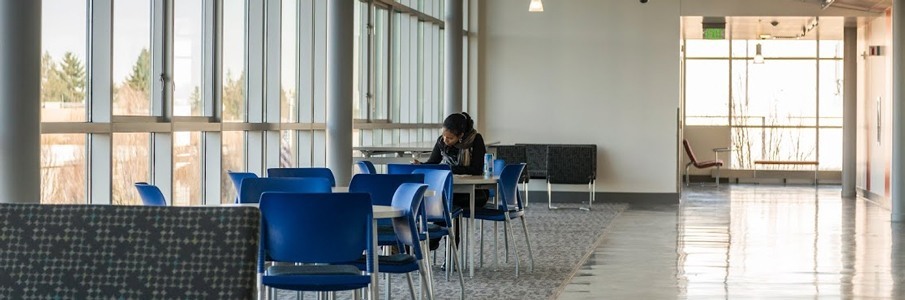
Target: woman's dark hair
[460, 123]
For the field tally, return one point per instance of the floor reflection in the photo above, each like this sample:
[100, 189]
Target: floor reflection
[753, 241]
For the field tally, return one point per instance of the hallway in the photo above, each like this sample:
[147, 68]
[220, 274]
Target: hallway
[748, 241]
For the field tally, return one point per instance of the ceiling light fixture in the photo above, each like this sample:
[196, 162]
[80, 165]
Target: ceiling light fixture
[536, 6]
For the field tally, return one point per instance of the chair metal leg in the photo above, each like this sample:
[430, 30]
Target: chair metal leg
[528, 241]
[686, 173]
[496, 247]
[506, 239]
[458, 266]
[525, 187]
[509, 232]
[411, 285]
[356, 294]
[425, 277]
[550, 196]
[717, 176]
[481, 252]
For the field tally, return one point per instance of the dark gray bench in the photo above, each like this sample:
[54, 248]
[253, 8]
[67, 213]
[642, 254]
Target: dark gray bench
[557, 164]
[127, 252]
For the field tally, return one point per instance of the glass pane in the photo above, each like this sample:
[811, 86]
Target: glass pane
[63, 70]
[831, 88]
[63, 177]
[233, 61]
[382, 69]
[706, 92]
[750, 144]
[132, 57]
[743, 48]
[785, 48]
[706, 48]
[782, 92]
[288, 151]
[288, 66]
[131, 164]
[187, 168]
[830, 149]
[832, 49]
[360, 63]
[233, 160]
[187, 58]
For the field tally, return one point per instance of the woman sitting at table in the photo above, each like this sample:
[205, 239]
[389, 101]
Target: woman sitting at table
[462, 148]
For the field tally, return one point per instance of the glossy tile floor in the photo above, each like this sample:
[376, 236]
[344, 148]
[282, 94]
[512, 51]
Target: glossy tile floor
[748, 242]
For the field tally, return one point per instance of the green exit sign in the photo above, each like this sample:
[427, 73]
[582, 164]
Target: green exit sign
[714, 33]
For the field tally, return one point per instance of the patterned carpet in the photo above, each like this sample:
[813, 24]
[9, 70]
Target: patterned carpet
[560, 240]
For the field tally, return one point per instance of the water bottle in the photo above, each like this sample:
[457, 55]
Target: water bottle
[488, 165]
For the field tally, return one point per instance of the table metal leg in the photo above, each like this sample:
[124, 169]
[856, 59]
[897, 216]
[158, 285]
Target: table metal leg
[471, 229]
[375, 283]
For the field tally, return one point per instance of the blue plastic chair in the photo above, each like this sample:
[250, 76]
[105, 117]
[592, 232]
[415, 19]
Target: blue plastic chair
[150, 194]
[366, 167]
[382, 187]
[237, 177]
[252, 188]
[438, 208]
[302, 173]
[322, 229]
[509, 206]
[408, 198]
[408, 168]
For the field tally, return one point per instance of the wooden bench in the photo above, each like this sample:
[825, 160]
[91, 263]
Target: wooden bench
[787, 163]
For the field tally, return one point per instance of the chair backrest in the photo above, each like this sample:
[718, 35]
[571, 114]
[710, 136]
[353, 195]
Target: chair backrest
[382, 187]
[514, 154]
[150, 194]
[508, 186]
[571, 164]
[498, 165]
[118, 252]
[408, 168]
[366, 167]
[252, 188]
[302, 173]
[694, 160]
[438, 206]
[315, 228]
[408, 198]
[536, 156]
[237, 177]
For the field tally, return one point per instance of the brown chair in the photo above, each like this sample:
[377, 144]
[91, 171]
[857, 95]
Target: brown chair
[700, 164]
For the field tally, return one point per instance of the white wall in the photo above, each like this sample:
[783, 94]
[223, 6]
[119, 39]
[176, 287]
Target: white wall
[587, 71]
[874, 82]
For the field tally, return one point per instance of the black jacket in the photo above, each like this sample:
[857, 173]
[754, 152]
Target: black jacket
[447, 155]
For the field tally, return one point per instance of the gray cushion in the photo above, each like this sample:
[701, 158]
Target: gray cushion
[127, 252]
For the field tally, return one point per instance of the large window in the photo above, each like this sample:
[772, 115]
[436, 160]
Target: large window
[132, 72]
[63, 73]
[787, 108]
[177, 96]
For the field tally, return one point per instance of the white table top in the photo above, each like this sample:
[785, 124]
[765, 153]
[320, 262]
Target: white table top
[473, 179]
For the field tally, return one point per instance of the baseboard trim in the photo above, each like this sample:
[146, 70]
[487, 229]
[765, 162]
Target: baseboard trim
[872, 197]
[608, 197]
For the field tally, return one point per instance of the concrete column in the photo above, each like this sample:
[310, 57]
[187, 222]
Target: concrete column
[20, 94]
[453, 100]
[849, 112]
[898, 111]
[340, 20]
